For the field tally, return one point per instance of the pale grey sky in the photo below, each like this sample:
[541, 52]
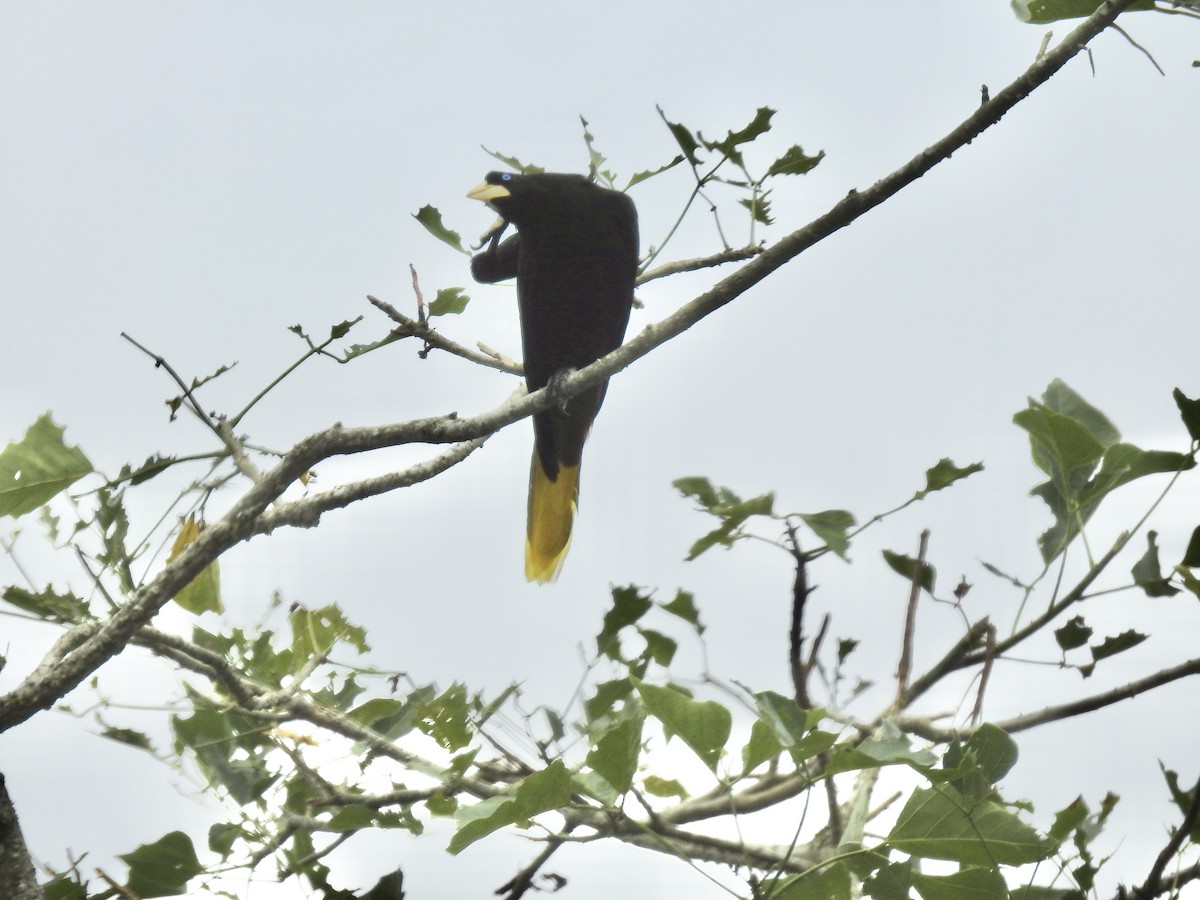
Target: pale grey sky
[204, 175]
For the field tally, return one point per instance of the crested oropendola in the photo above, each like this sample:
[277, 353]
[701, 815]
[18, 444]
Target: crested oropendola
[575, 258]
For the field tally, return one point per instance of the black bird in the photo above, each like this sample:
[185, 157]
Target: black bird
[575, 259]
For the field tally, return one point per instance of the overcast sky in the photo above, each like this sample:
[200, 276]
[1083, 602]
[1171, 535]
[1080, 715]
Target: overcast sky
[203, 176]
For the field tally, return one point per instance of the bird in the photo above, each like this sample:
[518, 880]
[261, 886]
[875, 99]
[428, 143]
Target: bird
[575, 257]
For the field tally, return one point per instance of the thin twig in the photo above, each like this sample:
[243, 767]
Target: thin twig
[910, 624]
[416, 286]
[1125, 34]
[989, 658]
[1153, 885]
[522, 882]
[435, 340]
[796, 632]
[193, 404]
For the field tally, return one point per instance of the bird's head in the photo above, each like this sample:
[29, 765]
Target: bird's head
[496, 189]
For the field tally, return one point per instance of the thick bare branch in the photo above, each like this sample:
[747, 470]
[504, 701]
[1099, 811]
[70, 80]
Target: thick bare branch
[18, 881]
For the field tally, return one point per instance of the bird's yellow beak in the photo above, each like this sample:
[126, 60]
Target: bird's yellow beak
[487, 192]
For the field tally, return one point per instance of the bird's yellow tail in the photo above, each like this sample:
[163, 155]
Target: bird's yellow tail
[551, 512]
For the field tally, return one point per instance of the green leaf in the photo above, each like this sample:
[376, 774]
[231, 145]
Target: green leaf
[449, 302]
[222, 836]
[431, 219]
[1073, 634]
[876, 752]
[388, 887]
[831, 882]
[1147, 573]
[615, 756]
[1182, 798]
[664, 787]
[514, 163]
[728, 507]
[795, 162]
[316, 631]
[1067, 819]
[446, 719]
[164, 868]
[891, 882]
[906, 566]
[219, 754]
[702, 489]
[995, 752]
[703, 725]
[972, 883]
[1190, 581]
[789, 723]
[728, 145]
[113, 523]
[128, 736]
[608, 695]
[1189, 411]
[537, 793]
[341, 329]
[439, 804]
[1043, 12]
[354, 817]
[846, 646]
[596, 786]
[684, 606]
[762, 746]
[596, 160]
[660, 649]
[1111, 646]
[628, 606]
[64, 887]
[37, 468]
[832, 526]
[944, 474]
[759, 208]
[683, 137]
[1191, 557]
[49, 604]
[937, 823]
[1062, 446]
[639, 177]
[153, 465]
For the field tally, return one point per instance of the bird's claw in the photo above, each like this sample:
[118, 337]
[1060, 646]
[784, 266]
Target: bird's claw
[555, 387]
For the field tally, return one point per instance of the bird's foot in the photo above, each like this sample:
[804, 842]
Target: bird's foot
[556, 389]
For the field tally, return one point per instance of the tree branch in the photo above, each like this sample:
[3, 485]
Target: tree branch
[18, 880]
[45, 685]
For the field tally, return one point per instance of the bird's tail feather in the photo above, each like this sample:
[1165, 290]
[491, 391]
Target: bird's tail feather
[551, 512]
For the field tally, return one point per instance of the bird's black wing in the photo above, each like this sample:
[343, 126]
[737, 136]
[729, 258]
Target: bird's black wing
[498, 262]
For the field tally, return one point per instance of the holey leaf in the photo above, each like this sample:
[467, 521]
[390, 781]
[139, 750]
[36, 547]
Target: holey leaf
[37, 468]
[703, 725]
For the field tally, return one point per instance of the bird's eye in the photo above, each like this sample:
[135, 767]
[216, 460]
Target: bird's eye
[505, 177]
